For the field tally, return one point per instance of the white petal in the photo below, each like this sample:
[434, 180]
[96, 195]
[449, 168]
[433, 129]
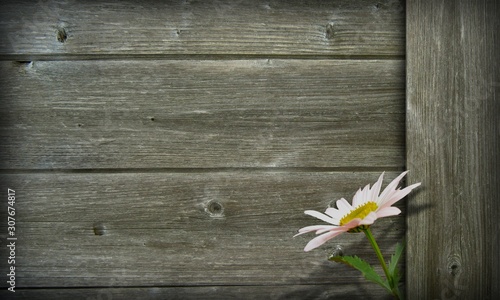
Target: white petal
[320, 240]
[376, 188]
[320, 216]
[369, 219]
[334, 213]
[398, 195]
[358, 198]
[366, 193]
[388, 211]
[390, 189]
[317, 228]
[344, 206]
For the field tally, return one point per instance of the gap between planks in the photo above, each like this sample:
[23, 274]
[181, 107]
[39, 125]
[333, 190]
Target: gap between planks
[82, 57]
[205, 170]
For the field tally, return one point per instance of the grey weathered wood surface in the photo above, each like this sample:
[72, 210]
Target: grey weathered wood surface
[358, 290]
[158, 229]
[453, 146]
[169, 150]
[89, 28]
[201, 114]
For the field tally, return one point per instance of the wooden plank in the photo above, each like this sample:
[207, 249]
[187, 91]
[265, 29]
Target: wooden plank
[299, 292]
[91, 28]
[202, 114]
[183, 229]
[453, 140]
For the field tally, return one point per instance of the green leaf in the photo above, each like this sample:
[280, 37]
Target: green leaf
[395, 259]
[394, 270]
[364, 267]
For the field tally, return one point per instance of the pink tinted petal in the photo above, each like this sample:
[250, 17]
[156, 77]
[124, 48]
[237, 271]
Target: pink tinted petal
[391, 199]
[369, 219]
[319, 215]
[391, 187]
[398, 195]
[320, 240]
[314, 228]
[326, 229]
[343, 205]
[387, 197]
[353, 223]
[388, 211]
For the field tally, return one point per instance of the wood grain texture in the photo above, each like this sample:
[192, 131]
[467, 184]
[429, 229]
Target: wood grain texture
[168, 149]
[453, 140]
[359, 290]
[90, 28]
[202, 114]
[186, 229]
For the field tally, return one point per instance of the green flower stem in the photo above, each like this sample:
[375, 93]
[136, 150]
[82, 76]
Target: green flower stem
[375, 246]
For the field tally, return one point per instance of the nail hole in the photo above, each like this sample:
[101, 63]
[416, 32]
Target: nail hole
[330, 32]
[152, 119]
[62, 36]
[80, 125]
[99, 229]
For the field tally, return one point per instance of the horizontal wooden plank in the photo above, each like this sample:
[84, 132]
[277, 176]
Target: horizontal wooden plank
[182, 229]
[202, 114]
[295, 27]
[357, 290]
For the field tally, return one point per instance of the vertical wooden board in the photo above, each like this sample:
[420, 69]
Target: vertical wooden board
[453, 127]
[234, 27]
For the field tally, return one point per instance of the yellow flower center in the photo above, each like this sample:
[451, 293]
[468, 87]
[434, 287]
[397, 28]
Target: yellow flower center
[359, 212]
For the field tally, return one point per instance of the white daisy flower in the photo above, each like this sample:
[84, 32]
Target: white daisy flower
[367, 206]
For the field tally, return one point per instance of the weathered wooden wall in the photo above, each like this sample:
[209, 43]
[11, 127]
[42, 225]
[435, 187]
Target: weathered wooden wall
[453, 142]
[168, 150]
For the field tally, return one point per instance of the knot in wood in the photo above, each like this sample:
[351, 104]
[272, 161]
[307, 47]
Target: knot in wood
[215, 209]
[454, 265]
